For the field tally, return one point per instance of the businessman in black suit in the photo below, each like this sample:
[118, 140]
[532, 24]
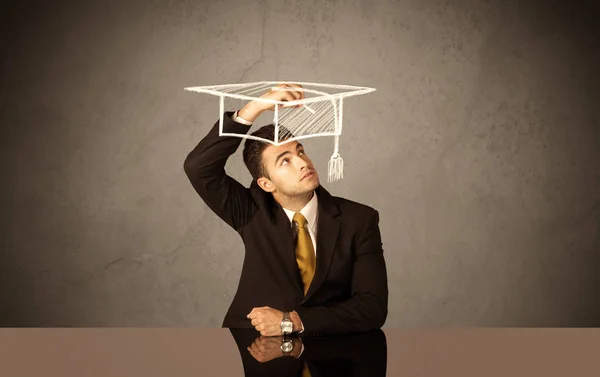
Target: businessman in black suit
[314, 262]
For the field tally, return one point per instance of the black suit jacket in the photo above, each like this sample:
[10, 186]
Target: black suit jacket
[349, 290]
[356, 354]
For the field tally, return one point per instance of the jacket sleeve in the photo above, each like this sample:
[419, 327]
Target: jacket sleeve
[367, 309]
[205, 168]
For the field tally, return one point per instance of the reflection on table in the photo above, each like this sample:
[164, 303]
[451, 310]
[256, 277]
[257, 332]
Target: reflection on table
[356, 354]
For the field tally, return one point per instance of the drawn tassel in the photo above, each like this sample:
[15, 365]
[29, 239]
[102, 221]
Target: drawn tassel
[336, 168]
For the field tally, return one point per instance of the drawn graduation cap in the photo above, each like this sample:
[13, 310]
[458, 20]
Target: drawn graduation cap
[320, 113]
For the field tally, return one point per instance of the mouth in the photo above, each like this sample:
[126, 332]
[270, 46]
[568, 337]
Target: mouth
[309, 175]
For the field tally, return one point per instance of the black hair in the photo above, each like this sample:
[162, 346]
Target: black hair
[253, 149]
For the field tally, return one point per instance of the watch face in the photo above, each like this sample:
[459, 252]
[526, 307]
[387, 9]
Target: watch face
[287, 327]
[287, 346]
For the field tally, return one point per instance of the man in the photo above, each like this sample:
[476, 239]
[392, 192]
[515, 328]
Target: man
[314, 262]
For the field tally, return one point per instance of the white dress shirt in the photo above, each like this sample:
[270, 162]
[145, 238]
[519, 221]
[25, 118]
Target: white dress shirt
[239, 119]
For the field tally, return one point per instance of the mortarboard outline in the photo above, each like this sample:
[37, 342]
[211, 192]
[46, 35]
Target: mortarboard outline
[320, 115]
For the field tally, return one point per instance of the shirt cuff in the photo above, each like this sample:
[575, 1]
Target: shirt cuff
[239, 119]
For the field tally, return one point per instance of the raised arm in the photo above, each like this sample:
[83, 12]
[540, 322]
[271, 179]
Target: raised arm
[367, 309]
[205, 168]
[205, 164]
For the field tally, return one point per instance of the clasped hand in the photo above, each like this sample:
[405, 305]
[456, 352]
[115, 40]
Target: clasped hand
[267, 348]
[266, 320]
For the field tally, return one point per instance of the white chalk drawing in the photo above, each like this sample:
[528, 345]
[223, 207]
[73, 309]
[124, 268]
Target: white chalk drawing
[320, 114]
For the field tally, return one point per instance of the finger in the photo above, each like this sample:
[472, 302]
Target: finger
[295, 94]
[279, 88]
[288, 94]
[255, 322]
[257, 357]
[254, 354]
[294, 86]
[252, 313]
[285, 96]
[258, 345]
[298, 94]
[291, 96]
[300, 91]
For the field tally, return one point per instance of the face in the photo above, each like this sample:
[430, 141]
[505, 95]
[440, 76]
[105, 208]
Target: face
[290, 170]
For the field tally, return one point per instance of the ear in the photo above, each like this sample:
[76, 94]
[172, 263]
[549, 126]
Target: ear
[265, 184]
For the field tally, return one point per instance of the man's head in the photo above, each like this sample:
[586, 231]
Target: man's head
[283, 169]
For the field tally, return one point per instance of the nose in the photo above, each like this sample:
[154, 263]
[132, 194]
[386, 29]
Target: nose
[303, 164]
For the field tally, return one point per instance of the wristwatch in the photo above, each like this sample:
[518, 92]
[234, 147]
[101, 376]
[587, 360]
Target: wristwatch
[286, 324]
[287, 346]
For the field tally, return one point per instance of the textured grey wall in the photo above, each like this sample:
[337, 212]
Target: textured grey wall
[480, 148]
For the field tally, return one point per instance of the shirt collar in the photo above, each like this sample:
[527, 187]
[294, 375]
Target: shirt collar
[309, 211]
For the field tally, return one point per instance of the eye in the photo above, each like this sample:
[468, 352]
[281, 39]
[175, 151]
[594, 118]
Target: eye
[284, 161]
[301, 152]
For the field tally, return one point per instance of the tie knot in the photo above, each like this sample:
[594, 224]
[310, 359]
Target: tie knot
[300, 220]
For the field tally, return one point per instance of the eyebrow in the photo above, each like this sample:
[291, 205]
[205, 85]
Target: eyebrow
[298, 146]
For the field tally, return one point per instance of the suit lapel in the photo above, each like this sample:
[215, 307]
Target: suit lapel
[328, 229]
[285, 236]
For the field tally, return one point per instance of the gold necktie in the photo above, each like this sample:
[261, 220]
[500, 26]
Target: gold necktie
[305, 253]
[305, 371]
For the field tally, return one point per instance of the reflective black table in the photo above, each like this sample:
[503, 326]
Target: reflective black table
[201, 352]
